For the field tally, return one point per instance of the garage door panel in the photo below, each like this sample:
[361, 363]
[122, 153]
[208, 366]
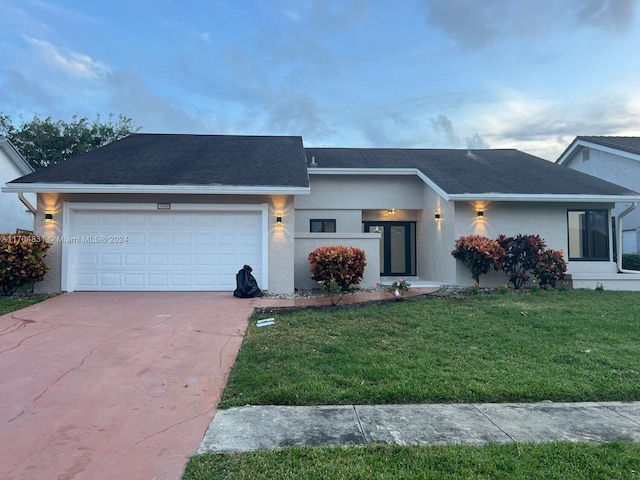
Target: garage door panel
[177, 250]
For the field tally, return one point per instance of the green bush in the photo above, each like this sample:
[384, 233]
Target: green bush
[479, 254]
[342, 265]
[21, 260]
[631, 261]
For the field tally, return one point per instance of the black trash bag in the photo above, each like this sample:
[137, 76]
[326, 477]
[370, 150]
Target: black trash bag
[247, 286]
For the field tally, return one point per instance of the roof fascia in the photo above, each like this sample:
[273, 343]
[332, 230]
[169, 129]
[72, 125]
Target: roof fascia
[15, 156]
[380, 171]
[506, 197]
[596, 146]
[174, 189]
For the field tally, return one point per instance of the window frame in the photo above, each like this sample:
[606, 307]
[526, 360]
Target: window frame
[324, 222]
[587, 232]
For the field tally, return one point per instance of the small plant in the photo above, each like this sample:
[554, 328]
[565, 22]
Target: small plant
[475, 289]
[398, 288]
[479, 254]
[599, 287]
[332, 289]
[343, 265]
[504, 289]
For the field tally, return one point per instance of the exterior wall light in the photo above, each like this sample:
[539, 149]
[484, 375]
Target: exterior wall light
[437, 216]
[279, 219]
[48, 217]
[480, 213]
[392, 211]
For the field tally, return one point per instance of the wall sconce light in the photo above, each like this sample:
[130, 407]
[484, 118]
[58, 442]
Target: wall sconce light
[437, 216]
[278, 219]
[48, 217]
[392, 211]
[480, 213]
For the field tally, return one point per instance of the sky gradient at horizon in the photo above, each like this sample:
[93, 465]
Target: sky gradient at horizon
[525, 74]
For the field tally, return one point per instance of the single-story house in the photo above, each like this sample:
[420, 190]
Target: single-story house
[186, 212]
[617, 160]
[16, 211]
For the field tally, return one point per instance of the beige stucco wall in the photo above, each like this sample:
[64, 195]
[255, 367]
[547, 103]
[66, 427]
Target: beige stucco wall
[308, 242]
[347, 220]
[549, 220]
[281, 238]
[363, 192]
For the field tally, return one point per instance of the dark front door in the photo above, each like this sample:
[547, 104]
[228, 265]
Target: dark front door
[397, 246]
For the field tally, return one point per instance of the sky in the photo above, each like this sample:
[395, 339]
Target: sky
[525, 74]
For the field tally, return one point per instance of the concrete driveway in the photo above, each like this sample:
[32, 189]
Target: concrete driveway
[113, 385]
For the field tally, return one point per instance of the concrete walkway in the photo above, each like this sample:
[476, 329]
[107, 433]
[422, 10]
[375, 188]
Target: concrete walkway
[272, 427]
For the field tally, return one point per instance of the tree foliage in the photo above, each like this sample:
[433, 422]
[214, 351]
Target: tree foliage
[46, 141]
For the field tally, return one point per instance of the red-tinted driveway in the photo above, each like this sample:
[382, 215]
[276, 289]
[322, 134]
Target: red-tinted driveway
[113, 385]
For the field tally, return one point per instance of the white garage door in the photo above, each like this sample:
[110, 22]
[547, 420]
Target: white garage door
[156, 250]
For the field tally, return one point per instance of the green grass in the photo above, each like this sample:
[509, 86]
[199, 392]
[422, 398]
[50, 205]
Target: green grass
[16, 302]
[559, 346]
[559, 460]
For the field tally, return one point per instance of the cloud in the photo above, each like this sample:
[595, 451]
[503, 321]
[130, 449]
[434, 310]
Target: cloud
[476, 142]
[611, 15]
[130, 96]
[443, 124]
[477, 24]
[71, 63]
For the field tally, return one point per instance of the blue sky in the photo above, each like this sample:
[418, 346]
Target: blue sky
[526, 74]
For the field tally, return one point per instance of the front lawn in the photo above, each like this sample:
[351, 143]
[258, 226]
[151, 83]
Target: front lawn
[551, 461]
[16, 302]
[518, 347]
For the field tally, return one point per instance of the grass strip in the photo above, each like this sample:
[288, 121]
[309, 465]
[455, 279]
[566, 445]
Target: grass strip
[548, 461]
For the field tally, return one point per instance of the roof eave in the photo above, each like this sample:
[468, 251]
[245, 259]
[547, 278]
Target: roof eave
[578, 143]
[546, 197]
[16, 157]
[172, 189]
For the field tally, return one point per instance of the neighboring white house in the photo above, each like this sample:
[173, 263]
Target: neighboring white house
[14, 213]
[186, 212]
[617, 160]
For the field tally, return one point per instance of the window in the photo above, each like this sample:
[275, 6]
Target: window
[322, 225]
[588, 234]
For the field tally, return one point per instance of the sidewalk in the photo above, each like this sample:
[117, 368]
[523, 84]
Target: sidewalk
[272, 427]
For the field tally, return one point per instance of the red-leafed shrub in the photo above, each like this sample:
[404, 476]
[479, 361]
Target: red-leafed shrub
[479, 254]
[550, 268]
[521, 256]
[343, 265]
[21, 260]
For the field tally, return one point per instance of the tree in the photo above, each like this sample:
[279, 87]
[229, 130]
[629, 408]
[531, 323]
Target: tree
[46, 142]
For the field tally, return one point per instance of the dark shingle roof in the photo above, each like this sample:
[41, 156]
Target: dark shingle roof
[626, 144]
[492, 171]
[177, 159]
